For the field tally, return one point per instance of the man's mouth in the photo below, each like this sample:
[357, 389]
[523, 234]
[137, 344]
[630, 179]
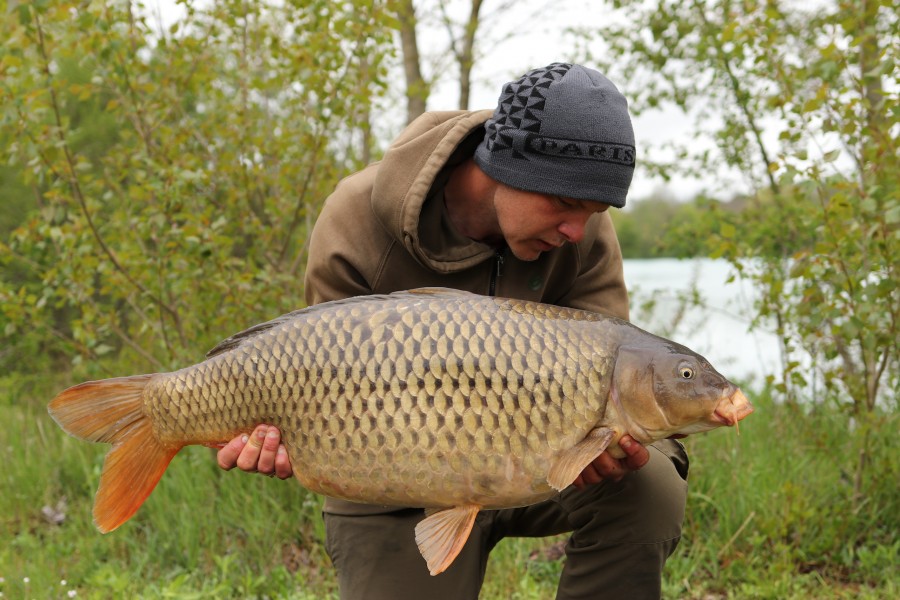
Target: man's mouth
[546, 246]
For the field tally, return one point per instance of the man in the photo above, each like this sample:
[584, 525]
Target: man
[510, 204]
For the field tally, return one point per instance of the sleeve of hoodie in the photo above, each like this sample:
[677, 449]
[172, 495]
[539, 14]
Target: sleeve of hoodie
[346, 243]
[599, 285]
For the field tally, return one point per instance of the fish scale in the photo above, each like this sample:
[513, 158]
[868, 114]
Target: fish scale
[431, 398]
[451, 359]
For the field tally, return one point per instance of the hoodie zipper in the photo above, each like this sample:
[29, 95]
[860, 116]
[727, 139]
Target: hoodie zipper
[496, 272]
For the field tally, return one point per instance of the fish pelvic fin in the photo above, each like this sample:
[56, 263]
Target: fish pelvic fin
[111, 411]
[573, 461]
[442, 535]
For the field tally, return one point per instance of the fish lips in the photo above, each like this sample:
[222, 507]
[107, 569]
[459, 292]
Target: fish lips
[732, 409]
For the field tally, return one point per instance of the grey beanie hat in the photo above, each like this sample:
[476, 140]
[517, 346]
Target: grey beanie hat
[563, 130]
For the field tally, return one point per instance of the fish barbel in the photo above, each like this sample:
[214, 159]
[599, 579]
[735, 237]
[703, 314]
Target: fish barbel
[432, 398]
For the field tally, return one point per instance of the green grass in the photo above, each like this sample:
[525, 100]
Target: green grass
[771, 514]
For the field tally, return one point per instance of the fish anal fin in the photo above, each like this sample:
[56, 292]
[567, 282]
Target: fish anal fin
[573, 461]
[131, 471]
[442, 535]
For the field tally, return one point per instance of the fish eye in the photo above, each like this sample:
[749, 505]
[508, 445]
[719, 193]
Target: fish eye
[685, 372]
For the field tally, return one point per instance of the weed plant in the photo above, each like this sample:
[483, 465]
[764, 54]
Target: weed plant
[770, 515]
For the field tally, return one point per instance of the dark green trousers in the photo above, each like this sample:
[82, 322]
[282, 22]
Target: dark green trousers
[622, 534]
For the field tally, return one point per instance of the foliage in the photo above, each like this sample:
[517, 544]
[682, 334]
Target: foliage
[803, 102]
[174, 172]
[652, 228]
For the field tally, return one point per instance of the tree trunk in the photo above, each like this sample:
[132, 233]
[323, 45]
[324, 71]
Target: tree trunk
[873, 138]
[465, 57]
[416, 87]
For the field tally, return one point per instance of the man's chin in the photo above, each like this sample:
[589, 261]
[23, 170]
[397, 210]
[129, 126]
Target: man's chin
[530, 250]
[525, 254]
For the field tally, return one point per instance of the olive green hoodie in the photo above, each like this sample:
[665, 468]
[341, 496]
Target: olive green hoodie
[386, 229]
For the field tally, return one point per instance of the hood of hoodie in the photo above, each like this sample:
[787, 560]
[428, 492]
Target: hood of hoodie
[414, 170]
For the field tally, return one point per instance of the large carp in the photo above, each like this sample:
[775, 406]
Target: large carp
[432, 398]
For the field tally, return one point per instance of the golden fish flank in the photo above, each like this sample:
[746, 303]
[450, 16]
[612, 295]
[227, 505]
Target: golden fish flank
[433, 398]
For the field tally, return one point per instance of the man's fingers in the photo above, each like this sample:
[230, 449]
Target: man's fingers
[283, 468]
[267, 454]
[605, 467]
[636, 455]
[249, 456]
[261, 451]
[608, 467]
[228, 455]
[590, 474]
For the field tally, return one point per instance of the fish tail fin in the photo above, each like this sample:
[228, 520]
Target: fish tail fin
[111, 411]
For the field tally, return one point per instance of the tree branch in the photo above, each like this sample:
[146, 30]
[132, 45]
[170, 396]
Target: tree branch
[72, 178]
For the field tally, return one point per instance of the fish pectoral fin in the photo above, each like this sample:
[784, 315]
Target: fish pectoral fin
[442, 534]
[574, 460]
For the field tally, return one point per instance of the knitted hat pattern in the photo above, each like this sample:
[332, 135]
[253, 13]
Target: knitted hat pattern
[562, 130]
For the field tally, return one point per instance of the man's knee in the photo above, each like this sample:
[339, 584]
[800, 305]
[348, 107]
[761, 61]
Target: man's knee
[376, 557]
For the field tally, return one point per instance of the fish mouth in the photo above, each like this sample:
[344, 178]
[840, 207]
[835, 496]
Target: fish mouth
[732, 409]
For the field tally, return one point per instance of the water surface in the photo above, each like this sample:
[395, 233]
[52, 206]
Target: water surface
[719, 329]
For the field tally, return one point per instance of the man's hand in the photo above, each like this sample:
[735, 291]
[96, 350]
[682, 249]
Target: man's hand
[259, 452]
[605, 467]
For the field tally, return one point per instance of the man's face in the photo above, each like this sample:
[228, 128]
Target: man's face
[532, 223]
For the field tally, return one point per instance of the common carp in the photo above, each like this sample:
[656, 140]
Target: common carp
[431, 398]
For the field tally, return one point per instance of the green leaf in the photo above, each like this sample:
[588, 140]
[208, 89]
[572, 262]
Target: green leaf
[892, 215]
[24, 11]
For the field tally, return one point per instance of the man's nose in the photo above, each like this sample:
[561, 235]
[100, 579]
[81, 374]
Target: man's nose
[573, 230]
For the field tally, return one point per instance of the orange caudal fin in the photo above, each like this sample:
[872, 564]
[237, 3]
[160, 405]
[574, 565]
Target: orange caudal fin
[111, 411]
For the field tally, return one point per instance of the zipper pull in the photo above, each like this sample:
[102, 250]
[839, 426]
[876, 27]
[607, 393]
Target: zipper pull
[496, 273]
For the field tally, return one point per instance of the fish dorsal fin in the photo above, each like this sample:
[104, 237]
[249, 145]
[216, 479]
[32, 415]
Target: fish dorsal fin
[573, 461]
[442, 534]
[239, 338]
[437, 291]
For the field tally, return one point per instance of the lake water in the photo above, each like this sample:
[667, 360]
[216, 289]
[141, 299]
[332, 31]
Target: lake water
[719, 330]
